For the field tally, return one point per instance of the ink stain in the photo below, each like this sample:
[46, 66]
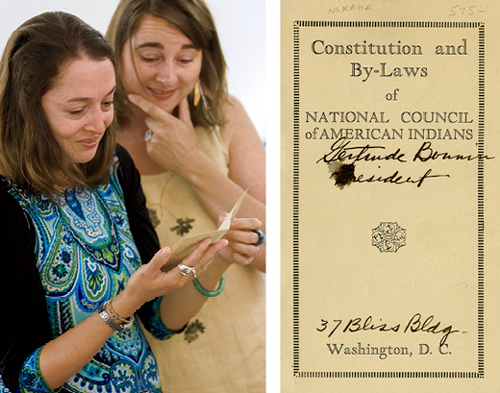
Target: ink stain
[342, 173]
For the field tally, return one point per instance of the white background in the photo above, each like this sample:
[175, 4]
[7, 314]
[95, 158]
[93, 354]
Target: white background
[249, 33]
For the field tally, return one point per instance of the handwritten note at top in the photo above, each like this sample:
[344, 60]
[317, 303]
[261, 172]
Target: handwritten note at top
[187, 244]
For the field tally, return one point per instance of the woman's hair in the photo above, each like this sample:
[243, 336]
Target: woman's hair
[30, 65]
[193, 19]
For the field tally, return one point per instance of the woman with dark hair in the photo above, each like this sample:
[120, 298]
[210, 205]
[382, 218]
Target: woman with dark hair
[197, 151]
[74, 229]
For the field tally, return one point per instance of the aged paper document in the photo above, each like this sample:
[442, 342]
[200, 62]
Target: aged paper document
[390, 196]
[186, 245]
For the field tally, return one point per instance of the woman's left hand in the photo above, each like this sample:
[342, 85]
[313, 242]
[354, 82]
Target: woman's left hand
[241, 249]
[173, 144]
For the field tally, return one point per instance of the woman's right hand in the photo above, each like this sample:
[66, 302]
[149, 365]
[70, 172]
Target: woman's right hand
[149, 281]
[173, 144]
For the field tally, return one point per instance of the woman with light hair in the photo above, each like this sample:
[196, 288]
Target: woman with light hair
[197, 152]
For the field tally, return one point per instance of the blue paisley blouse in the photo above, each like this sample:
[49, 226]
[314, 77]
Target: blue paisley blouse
[59, 263]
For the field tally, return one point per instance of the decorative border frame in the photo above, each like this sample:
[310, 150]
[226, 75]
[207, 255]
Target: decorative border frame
[295, 223]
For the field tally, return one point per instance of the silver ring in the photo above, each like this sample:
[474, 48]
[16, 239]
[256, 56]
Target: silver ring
[261, 237]
[148, 135]
[185, 270]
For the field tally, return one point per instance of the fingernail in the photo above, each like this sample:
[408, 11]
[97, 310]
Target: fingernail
[163, 250]
[131, 97]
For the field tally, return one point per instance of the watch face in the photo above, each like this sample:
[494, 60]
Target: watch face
[127, 326]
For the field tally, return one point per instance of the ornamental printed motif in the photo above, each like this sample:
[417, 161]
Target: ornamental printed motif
[388, 237]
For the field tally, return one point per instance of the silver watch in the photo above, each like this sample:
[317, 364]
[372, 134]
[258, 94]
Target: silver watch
[119, 327]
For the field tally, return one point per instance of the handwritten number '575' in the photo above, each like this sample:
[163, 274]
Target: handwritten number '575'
[462, 10]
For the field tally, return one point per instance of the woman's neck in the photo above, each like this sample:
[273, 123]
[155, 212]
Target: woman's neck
[131, 137]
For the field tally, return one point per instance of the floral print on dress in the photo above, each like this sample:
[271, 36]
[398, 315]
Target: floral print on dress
[183, 226]
[192, 330]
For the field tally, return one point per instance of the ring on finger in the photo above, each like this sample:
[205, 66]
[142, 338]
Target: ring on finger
[148, 135]
[185, 270]
[261, 237]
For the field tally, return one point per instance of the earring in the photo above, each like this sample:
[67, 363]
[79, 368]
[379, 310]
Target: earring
[197, 93]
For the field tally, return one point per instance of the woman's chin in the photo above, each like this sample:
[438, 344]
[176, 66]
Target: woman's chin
[83, 157]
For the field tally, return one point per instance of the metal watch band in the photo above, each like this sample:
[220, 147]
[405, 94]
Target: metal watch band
[111, 323]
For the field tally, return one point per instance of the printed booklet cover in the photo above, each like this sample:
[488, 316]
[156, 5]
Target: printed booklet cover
[390, 170]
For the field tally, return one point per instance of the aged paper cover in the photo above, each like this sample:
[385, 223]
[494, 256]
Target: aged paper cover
[186, 245]
[390, 172]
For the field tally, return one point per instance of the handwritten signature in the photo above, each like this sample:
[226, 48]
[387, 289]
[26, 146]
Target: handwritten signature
[341, 151]
[415, 324]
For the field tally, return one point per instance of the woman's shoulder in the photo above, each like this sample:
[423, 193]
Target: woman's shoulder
[233, 107]
[14, 223]
[8, 203]
[239, 132]
[6, 200]
[238, 122]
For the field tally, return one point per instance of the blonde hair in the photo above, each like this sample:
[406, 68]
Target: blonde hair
[29, 153]
[193, 19]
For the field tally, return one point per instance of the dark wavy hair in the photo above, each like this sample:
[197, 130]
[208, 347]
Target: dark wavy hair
[31, 62]
[193, 19]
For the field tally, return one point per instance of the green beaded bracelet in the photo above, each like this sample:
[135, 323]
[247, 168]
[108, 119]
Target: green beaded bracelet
[206, 293]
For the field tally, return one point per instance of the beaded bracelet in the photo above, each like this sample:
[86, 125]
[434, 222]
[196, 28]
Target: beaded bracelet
[119, 327]
[206, 293]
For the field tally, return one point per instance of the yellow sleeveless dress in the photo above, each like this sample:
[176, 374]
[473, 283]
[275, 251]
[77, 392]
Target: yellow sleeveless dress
[222, 350]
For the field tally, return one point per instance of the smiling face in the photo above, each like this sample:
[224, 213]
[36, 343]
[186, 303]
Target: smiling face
[79, 107]
[167, 64]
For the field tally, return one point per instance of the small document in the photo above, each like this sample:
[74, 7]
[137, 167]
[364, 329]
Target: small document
[187, 244]
[390, 185]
